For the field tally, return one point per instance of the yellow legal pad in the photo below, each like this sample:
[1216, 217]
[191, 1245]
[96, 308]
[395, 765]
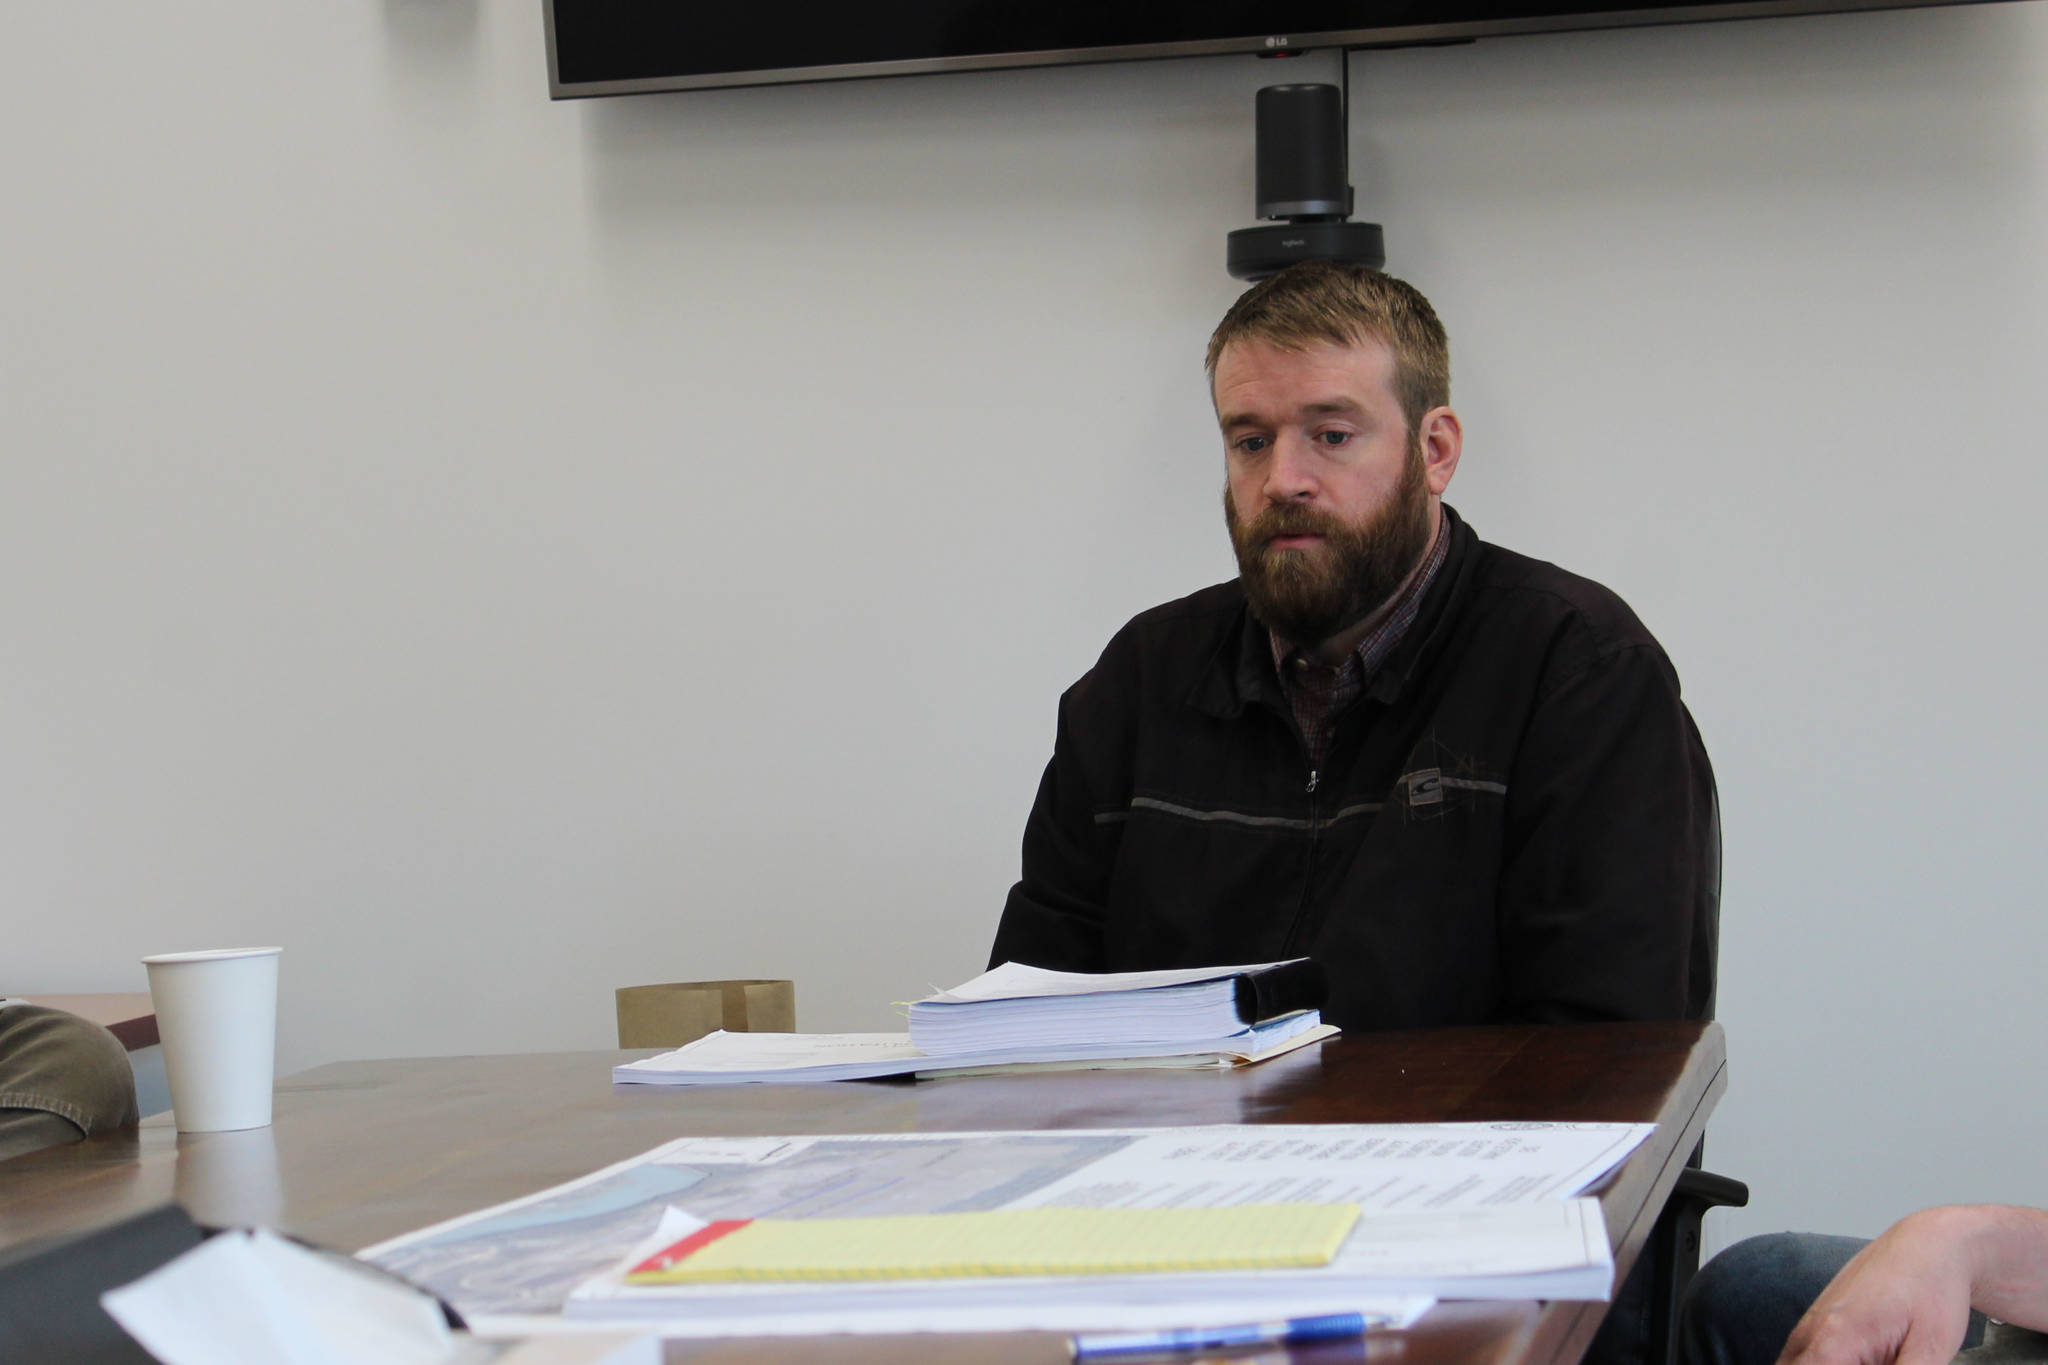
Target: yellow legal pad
[1004, 1242]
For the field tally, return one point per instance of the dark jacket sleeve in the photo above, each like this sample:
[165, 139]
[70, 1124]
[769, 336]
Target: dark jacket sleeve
[1610, 885]
[1054, 915]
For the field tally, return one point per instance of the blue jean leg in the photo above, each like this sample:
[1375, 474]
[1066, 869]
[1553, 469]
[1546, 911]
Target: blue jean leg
[1744, 1303]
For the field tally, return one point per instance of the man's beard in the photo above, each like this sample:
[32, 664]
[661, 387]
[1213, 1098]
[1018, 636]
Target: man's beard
[1306, 596]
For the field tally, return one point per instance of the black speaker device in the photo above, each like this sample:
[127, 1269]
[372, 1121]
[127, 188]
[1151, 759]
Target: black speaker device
[1303, 182]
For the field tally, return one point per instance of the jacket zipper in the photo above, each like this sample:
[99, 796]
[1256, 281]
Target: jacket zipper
[1308, 876]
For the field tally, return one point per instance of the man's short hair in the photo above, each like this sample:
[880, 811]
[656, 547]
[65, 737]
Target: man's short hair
[1315, 302]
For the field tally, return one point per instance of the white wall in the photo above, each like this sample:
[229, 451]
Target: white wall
[503, 550]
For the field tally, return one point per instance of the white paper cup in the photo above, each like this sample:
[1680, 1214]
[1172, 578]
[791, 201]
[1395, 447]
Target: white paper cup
[217, 1014]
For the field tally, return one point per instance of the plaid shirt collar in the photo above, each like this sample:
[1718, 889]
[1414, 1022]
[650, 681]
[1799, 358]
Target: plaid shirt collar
[1317, 692]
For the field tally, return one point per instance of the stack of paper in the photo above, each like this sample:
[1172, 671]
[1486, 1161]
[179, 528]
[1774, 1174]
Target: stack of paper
[789, 1058]
[1028, 1018]
[1391, 1264]
[1473, 1210]
[1019, 1006]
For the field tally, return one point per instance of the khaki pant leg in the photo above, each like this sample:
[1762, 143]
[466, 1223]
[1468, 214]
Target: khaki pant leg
[57, 1066]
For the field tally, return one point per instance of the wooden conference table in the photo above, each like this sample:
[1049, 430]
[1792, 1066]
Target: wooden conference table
[362, 1151]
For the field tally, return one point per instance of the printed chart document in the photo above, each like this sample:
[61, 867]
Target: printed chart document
[514, 1268]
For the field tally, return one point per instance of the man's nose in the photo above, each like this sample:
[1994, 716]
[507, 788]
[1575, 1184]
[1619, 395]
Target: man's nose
[1290, 475]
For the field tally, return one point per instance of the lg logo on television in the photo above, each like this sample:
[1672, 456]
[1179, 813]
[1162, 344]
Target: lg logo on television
[1276, 42]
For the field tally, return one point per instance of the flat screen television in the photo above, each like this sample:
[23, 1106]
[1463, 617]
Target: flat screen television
[625, 47]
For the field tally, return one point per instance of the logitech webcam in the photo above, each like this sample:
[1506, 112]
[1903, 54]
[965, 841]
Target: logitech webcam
[1304, 183]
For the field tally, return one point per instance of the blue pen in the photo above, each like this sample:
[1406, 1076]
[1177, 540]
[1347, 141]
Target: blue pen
[1286, 1332]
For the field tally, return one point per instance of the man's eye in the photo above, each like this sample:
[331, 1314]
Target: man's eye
[1334, 438]
[1252, 445]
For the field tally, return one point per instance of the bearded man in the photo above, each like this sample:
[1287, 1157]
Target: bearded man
[1459, 778]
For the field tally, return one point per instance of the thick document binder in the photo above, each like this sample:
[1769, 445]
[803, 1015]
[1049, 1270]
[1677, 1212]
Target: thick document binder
[1269, 992]
[1020, 1004]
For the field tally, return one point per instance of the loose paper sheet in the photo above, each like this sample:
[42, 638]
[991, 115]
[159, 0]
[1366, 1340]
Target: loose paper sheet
[804, 1058]
[255, 1296]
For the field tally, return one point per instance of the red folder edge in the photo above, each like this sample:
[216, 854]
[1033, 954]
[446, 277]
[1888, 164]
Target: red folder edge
[696, 1241]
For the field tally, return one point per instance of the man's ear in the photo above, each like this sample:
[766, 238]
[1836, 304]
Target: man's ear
[1443, 438]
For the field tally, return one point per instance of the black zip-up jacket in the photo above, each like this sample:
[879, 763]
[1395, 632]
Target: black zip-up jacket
[1516, 821]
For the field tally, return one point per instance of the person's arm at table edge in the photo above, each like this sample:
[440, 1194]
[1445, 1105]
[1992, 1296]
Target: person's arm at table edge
[1053, 917]
[1907, 1296]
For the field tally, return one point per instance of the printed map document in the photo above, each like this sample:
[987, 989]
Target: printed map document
[513, 1268]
